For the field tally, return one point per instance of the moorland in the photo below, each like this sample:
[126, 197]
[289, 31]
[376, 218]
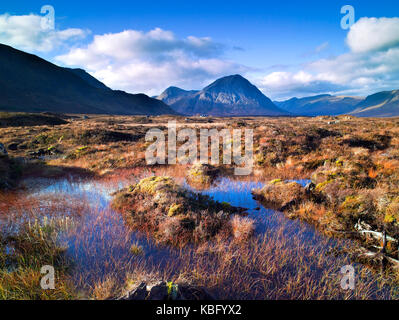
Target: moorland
[77, 193]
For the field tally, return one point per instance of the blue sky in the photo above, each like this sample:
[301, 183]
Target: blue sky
[286, 48]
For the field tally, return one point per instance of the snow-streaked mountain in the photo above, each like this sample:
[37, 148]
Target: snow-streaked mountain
[229, 96]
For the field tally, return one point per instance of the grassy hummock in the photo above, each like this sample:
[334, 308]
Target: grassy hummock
[201, 175]
[281, 195]
[174, 214]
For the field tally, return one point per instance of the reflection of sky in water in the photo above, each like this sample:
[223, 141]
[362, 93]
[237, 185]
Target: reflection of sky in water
[238, 193]
[100, 242]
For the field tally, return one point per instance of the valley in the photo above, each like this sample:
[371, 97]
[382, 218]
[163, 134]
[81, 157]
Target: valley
[321, 192]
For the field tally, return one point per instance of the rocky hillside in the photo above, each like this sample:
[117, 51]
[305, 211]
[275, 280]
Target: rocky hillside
[228, 96]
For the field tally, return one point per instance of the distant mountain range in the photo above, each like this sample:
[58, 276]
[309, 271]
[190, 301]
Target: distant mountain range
[228, 96]
[381, 104]
[236, 96]
[319, 105]
[31, 84]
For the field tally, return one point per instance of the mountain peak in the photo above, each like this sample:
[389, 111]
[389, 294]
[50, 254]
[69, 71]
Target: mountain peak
[228, 96]
[232, 82]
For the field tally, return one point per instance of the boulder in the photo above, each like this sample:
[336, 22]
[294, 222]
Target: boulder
[159, 291]
[140, 293]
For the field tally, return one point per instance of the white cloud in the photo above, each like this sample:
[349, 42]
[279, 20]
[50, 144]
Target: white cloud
[26, 33]
[149, 62]
[372, 34]
[372, 65]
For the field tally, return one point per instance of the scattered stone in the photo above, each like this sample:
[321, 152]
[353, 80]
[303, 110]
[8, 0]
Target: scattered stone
[43, 152]
[140, 293]
[163, 291]
[159, 291]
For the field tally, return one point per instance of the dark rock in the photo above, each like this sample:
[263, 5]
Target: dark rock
[140, 293]
[3, 150]
[193, 293]
[43, 152]
[13, 146]
[159, 292]
[310, 187]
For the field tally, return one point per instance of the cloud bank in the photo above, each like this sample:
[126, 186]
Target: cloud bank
[371, 65]
[138, 61]
[25, 32]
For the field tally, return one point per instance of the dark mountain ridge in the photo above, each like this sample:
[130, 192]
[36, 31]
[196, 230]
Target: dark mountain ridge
[31, 84]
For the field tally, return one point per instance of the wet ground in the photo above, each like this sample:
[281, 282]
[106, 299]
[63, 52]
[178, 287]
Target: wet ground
[100, 243]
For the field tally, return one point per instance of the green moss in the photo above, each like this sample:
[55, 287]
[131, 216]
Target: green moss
[81, 149]
[389, 218]
[339, 163]
[152, 185]
[260, 159]
[321, 186]
[175, 209]
[392, 211]
[201, 174]
[353, 205]
[172, 290]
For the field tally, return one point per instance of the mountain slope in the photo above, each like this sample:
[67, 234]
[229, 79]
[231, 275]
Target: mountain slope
[174, 94]
[88, 78]
[228, 96]
[31, 84]
[381, 104]
[319, 105]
